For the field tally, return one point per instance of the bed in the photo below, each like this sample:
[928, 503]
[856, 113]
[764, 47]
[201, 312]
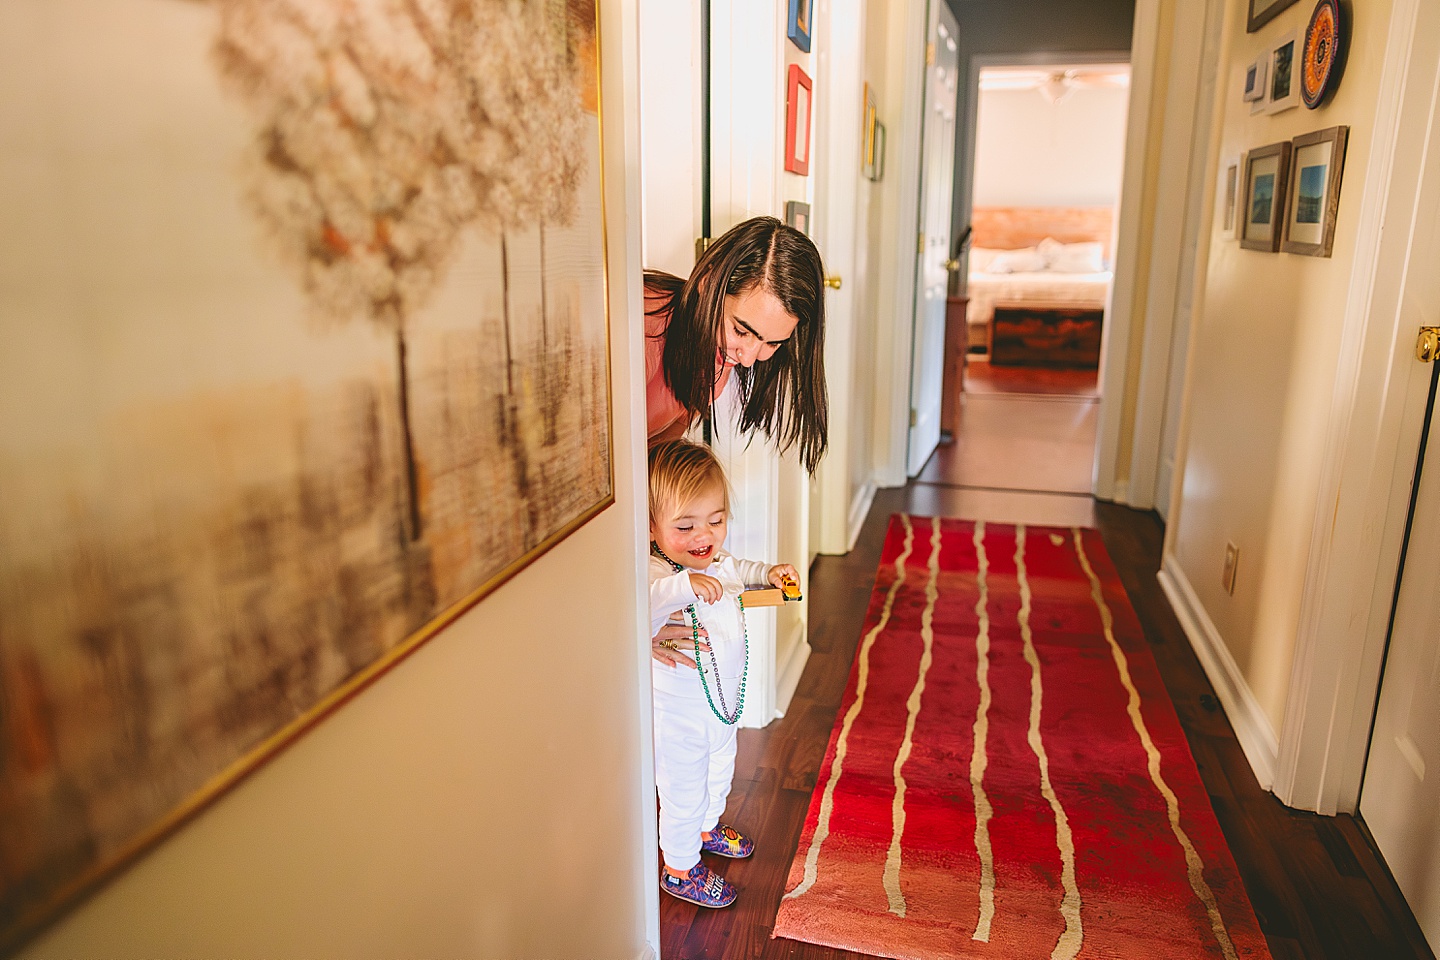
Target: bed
[1035, 257]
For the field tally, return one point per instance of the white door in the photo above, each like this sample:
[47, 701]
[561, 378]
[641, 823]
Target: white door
[839, 95]
[937, 178]
[1401, 797]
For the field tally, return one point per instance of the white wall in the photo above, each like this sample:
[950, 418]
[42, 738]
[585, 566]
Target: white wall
[1030, 152]
[437, 812]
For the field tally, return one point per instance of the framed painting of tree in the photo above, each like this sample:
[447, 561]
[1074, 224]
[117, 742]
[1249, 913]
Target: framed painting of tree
[306, 352]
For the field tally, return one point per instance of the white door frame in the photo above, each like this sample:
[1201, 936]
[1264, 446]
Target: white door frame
[901, 99]
[839, 70]
[1371, 445]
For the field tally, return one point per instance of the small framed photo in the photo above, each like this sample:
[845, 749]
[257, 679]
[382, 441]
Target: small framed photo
[867, 134]
[1228, 196]
[797, 215]
[1283, 91]
[878, 136]
[1256, 75]
[1262, 197]
[797, 122]
[1317, 164]
[798, 24]
[1263, 11]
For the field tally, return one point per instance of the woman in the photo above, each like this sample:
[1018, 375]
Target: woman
[753, 308]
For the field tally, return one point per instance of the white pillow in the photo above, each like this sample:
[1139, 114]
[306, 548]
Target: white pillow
[1086, 257]
[1023, 260]
[982, 257]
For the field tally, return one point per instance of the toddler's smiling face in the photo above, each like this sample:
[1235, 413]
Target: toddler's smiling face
[695, 532]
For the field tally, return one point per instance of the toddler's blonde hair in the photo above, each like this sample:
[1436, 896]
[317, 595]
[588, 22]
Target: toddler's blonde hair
[679, 472]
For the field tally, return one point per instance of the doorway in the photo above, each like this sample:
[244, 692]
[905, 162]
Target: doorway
[1048, 160]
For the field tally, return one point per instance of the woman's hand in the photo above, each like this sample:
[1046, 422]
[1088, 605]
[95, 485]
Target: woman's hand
[665, 646]
[706, 588]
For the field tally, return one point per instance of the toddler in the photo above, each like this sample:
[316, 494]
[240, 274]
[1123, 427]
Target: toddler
[696, 710]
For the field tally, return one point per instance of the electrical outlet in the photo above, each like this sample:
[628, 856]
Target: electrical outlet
[1227, 575]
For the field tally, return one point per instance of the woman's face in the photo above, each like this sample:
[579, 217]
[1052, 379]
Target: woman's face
[756, 324]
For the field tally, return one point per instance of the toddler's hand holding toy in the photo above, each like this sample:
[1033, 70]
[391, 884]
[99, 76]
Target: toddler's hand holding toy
[706, 588]
[785, 577]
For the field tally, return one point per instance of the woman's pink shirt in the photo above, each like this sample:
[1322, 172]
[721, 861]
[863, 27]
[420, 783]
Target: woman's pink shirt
[665, 416]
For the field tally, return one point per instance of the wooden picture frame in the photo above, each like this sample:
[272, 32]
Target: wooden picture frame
[1317, 167]
[1282, 87]
[1263, 11]
[799, 22]
[797, 215]
[1267, 172]
[798, 102]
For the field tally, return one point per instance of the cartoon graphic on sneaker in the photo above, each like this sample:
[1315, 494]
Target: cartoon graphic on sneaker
[728, 842]
[701, 886]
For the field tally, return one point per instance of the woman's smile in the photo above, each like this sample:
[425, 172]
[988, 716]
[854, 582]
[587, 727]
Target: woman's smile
[756, 325]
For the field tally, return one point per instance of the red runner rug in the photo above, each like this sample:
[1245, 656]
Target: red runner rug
[1007, 777]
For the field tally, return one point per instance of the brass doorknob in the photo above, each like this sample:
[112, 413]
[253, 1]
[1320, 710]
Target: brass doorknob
[952, 265]
[1427, 347]
[833, 282]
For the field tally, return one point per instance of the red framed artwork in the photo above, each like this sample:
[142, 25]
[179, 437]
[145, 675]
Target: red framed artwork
[797, 122]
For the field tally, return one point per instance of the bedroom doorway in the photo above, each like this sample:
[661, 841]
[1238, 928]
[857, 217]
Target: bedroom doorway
[1049, 156]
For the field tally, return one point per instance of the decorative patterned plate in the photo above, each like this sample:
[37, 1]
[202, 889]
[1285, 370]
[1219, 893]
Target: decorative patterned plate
[1320, 72]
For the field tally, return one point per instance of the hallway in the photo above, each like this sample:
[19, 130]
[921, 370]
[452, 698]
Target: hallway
[1317, 887]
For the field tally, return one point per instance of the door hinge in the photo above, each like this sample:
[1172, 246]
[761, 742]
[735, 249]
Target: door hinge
[920, 242]
[1427, 345]
[930, 53]
[914, 417]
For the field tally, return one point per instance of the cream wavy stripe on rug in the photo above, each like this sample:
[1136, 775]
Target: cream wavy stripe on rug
[827, 802]
[1073, 937]
[1196, 868]
[891, 877]
[978, 758]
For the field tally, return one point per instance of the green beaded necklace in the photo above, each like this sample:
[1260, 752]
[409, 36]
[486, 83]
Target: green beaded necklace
[723, 714]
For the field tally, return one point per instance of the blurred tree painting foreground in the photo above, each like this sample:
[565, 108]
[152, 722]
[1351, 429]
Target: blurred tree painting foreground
[428, 169]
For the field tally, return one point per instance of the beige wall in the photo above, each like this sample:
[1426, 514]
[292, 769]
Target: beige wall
[1264, 355]
[456, 807]
[1033, 153]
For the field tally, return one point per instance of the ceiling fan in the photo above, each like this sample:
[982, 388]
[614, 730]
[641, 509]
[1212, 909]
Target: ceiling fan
[1055, 83]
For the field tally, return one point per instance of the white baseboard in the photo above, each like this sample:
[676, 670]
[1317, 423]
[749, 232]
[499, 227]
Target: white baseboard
[787, 674]
[859, 510]
[648, 953]
[1252, 727]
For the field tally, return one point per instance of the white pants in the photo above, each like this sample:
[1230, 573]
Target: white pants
[694, 764]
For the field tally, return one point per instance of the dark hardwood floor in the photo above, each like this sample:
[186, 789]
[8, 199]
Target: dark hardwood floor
[1318, 887]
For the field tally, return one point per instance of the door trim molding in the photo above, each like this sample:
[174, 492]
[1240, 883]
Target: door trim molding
[1252, 727]
[1370, 447]
[859, 510]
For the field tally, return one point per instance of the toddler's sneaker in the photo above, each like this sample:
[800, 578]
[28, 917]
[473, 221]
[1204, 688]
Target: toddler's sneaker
[701, 886]
[728, 842]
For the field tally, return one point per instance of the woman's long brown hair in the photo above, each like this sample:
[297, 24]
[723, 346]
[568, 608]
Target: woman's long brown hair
[783, 396]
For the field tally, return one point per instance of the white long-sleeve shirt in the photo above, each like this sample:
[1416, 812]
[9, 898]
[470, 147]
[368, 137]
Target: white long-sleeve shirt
[670, 592]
